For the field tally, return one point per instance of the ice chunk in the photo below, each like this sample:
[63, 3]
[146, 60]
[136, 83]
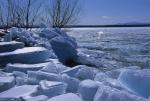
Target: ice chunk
[72, 83]
[86, 73]
[10, 46]
[23, 67]
[101, 77]
[87, 90]
[6, 83]
[72, 71]
[63, 48]
[36, 77]
[106, 93]
[26, 55]
[66, 97]
[37, 98]
[16, 93]
[136, 81]
[51, 88]
[54, 68]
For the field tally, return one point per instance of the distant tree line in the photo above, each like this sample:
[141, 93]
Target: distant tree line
[30, 13]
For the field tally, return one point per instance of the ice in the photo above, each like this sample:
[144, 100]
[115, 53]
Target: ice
[56, 68]
[101, 77]
[6, 83]
[36, 77]
[26, 55]
[136, 81]
[66, 97]
[10, 46]
[106, 93]
[52, 88]
[37, 98]
[16, 93]
[86, 73]
[72, 71]
[23, 67]
[46, 33]
[87, 90]
[63, 48]
[72, 83]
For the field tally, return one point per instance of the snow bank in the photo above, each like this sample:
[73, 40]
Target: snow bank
[87, 90]
[10, 46]
[26, 55]
[136, 81]
[6, 83]
[66, 97]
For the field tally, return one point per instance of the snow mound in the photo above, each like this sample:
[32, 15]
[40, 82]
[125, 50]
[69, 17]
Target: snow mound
[51, 88]
[26, 55]
[6, 83]
[23, 67]
[10, 46]
[87, 90]
[66, 97]
[72, 83]
[136, 81]
[106, 93]
[17, 93]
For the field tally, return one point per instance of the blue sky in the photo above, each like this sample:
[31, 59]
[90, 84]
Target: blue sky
[114, 11]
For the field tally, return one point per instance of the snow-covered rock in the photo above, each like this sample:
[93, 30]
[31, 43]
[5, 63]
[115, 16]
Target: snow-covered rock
[72, 83]
[6, 83]
[17, 93]
[51, 88]
[72, 71]
[56, 68]
[23, 67]
[64, 49]
[66, 97]
[36, 77]
[10, 46]
[37, 98]
[106, 93]
[87, 90]
[26, 55]
[136, 81]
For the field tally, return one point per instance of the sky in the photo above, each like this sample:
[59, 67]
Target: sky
[114, 11]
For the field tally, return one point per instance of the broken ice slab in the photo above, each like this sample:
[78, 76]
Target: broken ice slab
[17, 93]
[26, 55]
[36, 77]
[10, 46]
[52, 88]
[23, 67]
[66, 97]
[37, 98]
[6, 83]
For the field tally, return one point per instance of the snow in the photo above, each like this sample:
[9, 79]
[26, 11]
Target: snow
[66, 97]
[23, 67]
[87, 89]
[136, 81]
[72, 83]
[51, 88]
[26, 55]
[10, 46]
[16, 93]
[6, 83]
[106, 93]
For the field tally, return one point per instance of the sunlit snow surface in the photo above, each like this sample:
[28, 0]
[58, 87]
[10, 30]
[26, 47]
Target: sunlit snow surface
[123, 46]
